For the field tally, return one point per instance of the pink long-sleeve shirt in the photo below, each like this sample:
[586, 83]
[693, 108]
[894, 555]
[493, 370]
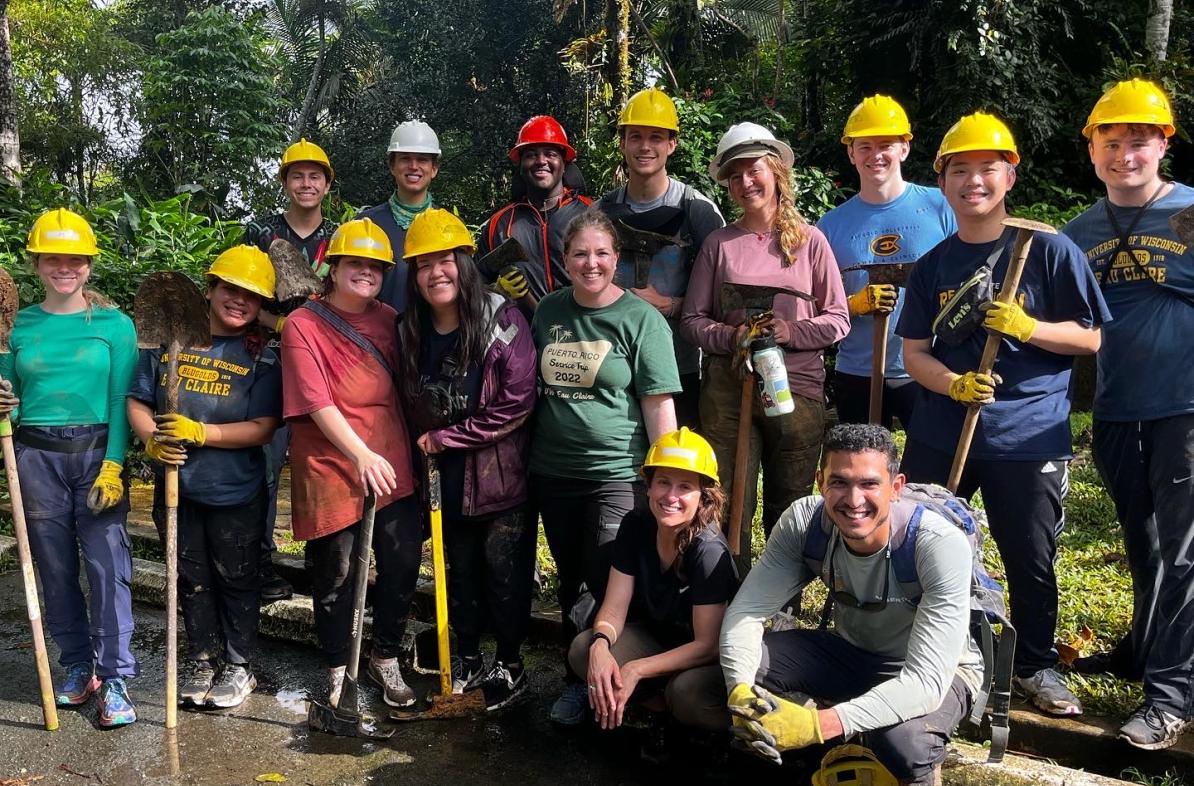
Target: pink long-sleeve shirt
[735, 255]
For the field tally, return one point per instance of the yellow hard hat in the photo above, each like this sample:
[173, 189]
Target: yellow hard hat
[650, 107]
[1132, 101]
[62, 231]
[247, 267]
[979, 131]
[683, 449]
[877, 115]
[303, 151]
[852, 765]
[361, 238]
[436, 230]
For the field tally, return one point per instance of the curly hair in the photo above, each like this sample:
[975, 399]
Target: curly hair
[791, 226]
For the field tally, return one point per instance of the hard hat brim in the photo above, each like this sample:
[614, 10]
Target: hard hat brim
[1132, 120]
[516, 151]
[1011, 156]
[325, 166]
[877, 132]
[243, 283]
[719, 168]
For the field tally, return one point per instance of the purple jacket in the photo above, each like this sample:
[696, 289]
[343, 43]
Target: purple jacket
[496, 434]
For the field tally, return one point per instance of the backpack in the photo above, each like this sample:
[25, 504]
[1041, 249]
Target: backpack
[987, 607]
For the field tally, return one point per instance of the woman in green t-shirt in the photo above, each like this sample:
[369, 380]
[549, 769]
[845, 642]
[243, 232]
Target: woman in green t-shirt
[65, 380]
[607, 373]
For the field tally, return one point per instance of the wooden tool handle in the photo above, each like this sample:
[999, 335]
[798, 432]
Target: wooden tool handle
[174, 349]
[741, 457]
[878, 367]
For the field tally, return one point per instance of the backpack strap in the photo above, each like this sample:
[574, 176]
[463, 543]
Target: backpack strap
[816, 544]
[997, 684]
[341, 325]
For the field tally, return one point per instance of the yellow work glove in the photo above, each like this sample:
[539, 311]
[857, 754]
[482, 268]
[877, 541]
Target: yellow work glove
[974, 388]
[108, 488]
[166, 452]
[784, 726]
[180, 429]
[1009, 319]
[513, 283]
[872, 298]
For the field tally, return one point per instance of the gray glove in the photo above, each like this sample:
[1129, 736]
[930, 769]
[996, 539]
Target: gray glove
[8, 400]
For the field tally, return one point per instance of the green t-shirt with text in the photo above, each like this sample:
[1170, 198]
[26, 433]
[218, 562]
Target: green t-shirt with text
[595, 364]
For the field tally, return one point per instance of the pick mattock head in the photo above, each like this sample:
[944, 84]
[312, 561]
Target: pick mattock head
[1182, 224]
[168, 308]
[894, 273]
[1028, 223]
[9, 303]
[294, 277]
[508, 252]
[754, 297]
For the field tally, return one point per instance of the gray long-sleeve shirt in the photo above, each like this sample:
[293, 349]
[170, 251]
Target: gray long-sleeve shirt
[932, 637]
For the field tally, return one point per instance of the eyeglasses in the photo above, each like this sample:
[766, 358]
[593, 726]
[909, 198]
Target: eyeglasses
[841, 596]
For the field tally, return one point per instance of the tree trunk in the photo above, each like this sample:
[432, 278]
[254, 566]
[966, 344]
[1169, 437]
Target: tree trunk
[10, 138]
[617, 26]
[1156, 29]
[312, 88]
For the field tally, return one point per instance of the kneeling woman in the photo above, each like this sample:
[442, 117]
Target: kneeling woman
[347, 438]
[468, 388]
[216, 441]
[671, 580]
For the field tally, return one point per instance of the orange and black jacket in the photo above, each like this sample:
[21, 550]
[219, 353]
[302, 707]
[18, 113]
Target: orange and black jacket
[541, 236]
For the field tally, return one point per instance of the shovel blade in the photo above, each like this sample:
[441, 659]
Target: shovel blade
[9, 302]
[168, 308]
[1182, 224]
[343, 723]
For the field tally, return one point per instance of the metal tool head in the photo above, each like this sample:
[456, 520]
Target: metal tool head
[1029, 224]
[754, 297]
[344, 720]
[293, 275]
[641, 241]
[509, 252]
[169, 308]
[1182, 224]
[9, 303]
[894, 273]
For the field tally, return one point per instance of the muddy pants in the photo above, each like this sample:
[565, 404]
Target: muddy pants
[219, 550]
[825, 666]
[852, 397]
[695, 697]
[785, 447]
[398, 547]
[490, 575]
[1148, 468]
[54, 485]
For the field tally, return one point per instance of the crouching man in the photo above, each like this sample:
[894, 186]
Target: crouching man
[899, 671]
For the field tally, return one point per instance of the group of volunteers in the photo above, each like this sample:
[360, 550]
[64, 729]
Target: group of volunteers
[566, 383]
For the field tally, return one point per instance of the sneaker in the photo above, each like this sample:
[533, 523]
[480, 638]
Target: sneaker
[335, 684]
[504, 685]
[387, 674]
[1152, 729]
[80, 683]
[468, 673]
[115, 706]
[572, 705]
[1048, 692]
[273, 586]
[194, 691]
[232, 686]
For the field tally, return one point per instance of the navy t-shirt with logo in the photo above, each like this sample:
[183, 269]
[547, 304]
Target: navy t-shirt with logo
[224, 384]
[1029, 419]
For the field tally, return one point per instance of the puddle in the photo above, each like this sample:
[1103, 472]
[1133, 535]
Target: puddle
[292, 700]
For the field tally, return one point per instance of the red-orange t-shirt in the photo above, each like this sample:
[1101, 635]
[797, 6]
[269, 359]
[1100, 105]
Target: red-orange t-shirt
[321, 368]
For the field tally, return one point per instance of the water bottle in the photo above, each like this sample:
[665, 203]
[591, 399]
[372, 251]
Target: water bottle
[768, 360]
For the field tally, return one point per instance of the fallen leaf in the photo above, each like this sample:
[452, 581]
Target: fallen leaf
[1066, 654]
[271, 777]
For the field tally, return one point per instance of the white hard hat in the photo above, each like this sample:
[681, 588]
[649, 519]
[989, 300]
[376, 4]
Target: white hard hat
[745, 140]
[414, 136]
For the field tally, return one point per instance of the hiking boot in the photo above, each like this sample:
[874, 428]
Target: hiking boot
[468, 673]
[194, 691]
[115, 706]
[1048, 692]
[1152, 729]
[572, 705]
[232, 687]
[504, 685]
[273, 586]
[335, 684]
[387, 674]
[80, 683]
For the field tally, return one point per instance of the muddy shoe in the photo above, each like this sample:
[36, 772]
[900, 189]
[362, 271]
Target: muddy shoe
[504, 685]
[1152, 729]
[387, 674]
[232, 687]
[115, 706]
[572, 705]
[80, 683]
[335, 684]
[273, 586]
[193, 692]
[468, 673]
[1048, 692]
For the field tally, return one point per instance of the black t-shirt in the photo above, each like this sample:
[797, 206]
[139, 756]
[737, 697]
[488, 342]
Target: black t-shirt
[663, 600]
[446, 395]
[261, 232]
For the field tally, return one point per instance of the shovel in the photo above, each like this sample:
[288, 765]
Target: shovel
[49, 712]
[1007, 293]
[446, 704]
[896, 274]
[169, 311]
[344, 718]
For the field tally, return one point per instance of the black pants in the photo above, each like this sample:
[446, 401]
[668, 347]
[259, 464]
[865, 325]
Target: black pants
[1023, 500]
[219, 550]
[688, 401]
[490, 575]
[829, 668]
[398, 547]
[852, 397]
[1147, 468]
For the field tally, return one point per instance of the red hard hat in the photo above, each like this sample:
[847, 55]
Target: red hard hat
[542, 130]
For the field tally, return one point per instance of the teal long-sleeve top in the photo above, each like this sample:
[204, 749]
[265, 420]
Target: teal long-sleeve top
[73, 370]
